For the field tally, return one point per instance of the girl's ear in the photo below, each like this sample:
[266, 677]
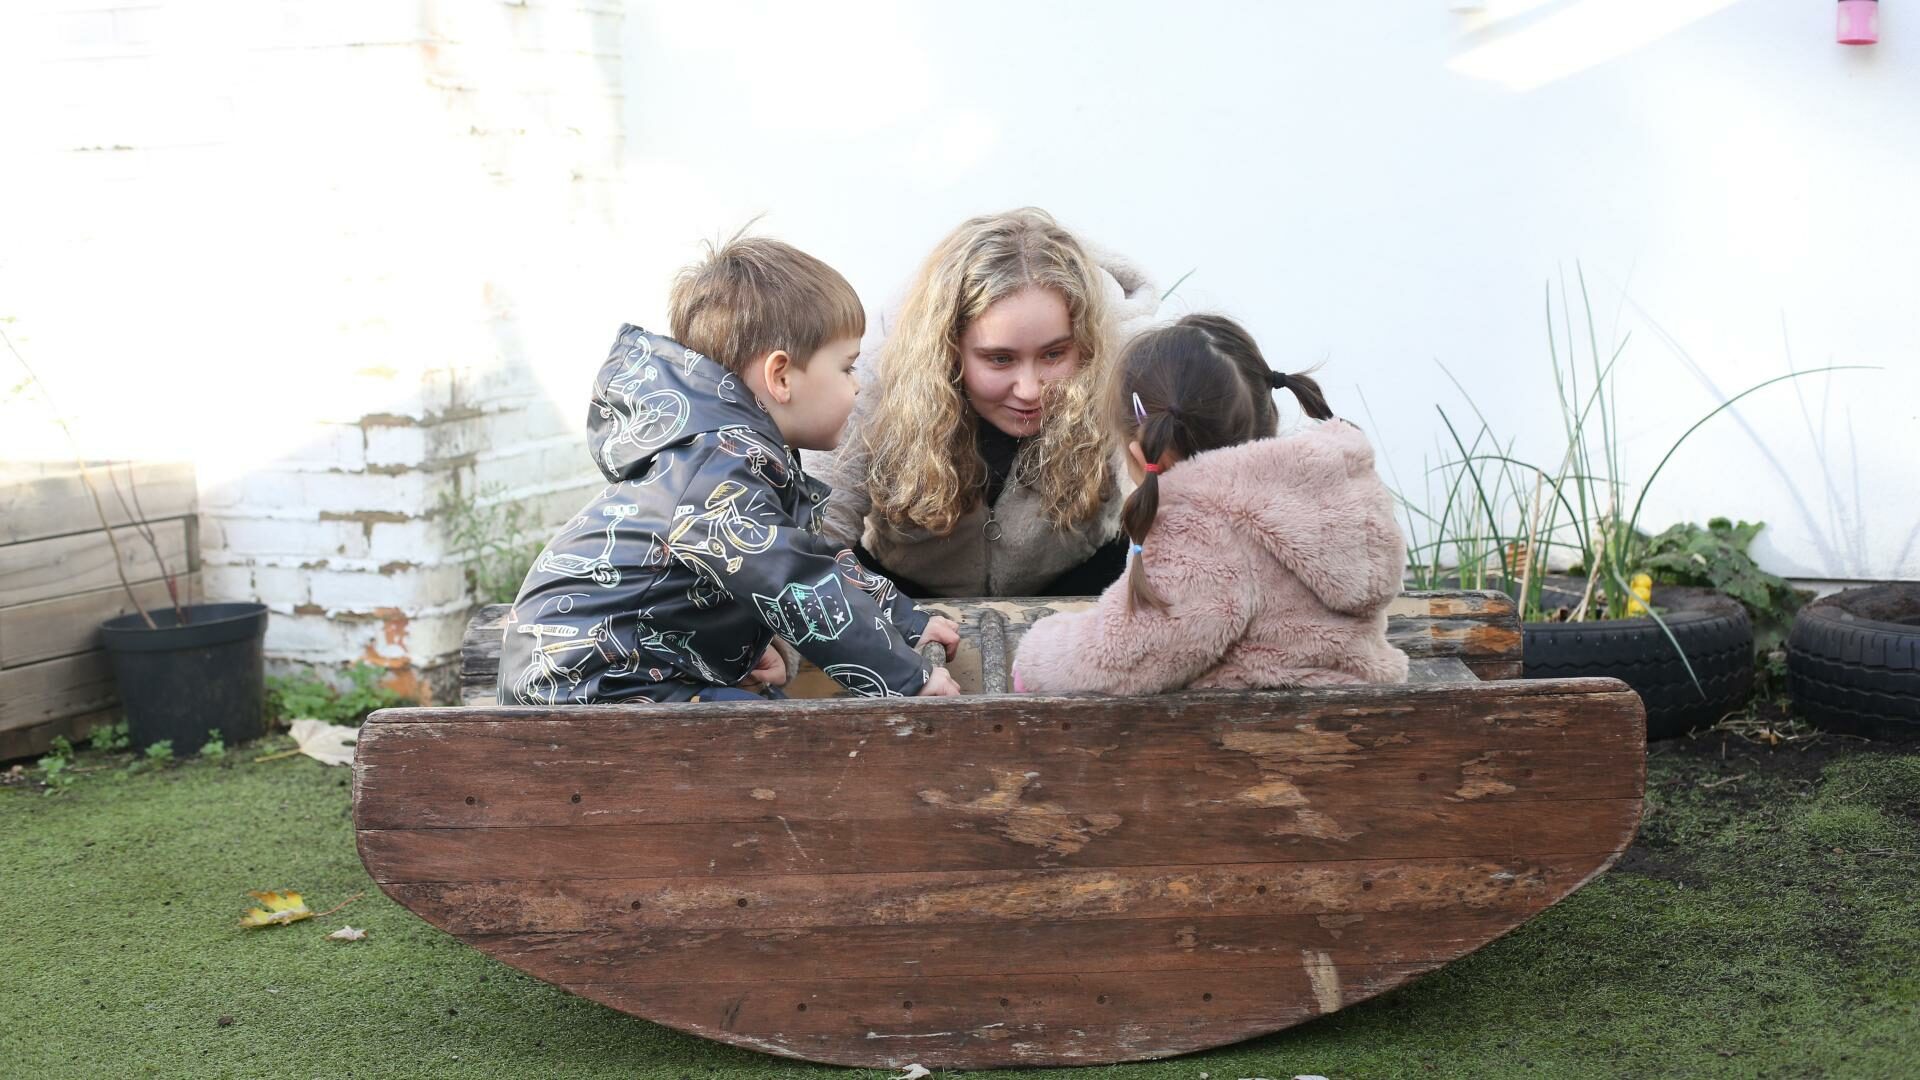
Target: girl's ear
[776, 373]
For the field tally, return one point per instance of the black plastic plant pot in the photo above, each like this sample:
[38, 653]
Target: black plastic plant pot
[184, 682]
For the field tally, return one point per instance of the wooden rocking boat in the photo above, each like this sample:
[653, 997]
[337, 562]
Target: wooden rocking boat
[1007, 880]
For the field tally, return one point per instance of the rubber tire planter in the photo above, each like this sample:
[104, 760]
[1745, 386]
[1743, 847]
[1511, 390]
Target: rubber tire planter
[1853, 661]
[1713, 630]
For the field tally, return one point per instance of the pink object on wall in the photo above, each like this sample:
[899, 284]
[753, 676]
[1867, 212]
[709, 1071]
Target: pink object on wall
[1859, 22]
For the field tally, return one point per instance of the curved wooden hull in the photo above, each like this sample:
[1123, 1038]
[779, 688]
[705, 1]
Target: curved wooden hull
[996, 881]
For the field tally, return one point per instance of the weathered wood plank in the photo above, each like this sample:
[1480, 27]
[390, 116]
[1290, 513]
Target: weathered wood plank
[1499, 705]
[680, 792]
[973, 898]
[996, 658]
[480, 655]
[53, 689]
[1439, 669]
[64, 565]
[70, 624]
[1002, 948]
[636, 771]
[29, 742]
[1062, 775]
[44, 500]
[931, 841]
[1064, 1018]
[1479, 628]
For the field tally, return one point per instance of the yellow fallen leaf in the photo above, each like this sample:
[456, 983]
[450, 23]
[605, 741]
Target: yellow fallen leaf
[346, 933]
[277, 909]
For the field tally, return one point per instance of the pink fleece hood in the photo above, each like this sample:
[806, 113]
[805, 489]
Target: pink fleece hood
[1277, 560]
[1313, 501]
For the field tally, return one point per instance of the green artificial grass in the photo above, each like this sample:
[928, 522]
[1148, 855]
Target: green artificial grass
[1762, 926]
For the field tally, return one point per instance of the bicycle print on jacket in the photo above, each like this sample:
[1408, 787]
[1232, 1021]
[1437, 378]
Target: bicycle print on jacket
[701, 548]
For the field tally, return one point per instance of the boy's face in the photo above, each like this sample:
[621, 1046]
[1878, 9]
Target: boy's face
[822, 392]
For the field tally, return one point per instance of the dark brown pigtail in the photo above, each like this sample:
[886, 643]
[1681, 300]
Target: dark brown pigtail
[1305, 390]
[1198, 385]
[1136, 517]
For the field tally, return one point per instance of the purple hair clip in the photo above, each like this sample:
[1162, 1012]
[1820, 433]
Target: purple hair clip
[1139, 410]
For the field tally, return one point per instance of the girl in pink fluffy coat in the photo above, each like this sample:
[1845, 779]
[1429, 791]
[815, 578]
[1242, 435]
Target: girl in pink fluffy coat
[1256, 561]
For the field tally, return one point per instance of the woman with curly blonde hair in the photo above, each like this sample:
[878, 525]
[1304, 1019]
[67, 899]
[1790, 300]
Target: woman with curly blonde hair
[978, 461]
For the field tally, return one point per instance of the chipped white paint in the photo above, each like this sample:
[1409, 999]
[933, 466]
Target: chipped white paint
[804, 857]
[1045, 825]
[928, 1035]
[1325, 978]
[1336, 924]
[1273, 793]
[1478, 779]
[1313, 824]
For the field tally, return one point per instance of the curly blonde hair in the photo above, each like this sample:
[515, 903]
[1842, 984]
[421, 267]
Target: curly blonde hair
[924, 467]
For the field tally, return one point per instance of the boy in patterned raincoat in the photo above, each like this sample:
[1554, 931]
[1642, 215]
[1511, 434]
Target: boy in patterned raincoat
[673, 582]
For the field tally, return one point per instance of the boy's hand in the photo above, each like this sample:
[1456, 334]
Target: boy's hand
[939, 684]
[770, 671]
[943, 630]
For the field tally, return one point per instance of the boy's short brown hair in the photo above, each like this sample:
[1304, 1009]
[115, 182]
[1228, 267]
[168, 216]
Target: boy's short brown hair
[753, 296]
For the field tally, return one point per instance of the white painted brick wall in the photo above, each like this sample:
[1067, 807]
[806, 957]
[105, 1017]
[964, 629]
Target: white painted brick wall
[359, 228]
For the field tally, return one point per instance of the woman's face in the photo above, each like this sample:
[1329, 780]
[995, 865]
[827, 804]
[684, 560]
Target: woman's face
[1011, 352]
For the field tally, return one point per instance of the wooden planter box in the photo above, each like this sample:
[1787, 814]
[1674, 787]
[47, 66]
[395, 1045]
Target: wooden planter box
[57, 584]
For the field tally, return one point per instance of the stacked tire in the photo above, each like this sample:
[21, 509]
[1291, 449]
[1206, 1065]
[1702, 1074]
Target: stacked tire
[1712, 631]
[1853, 661]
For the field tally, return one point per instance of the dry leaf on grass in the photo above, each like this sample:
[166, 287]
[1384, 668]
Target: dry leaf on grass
[277, 909]
[912, 1072]
[329, 744]
[346, 933]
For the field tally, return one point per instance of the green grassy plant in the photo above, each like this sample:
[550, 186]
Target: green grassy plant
[292, 697]
[1493, 519]
[496, 538]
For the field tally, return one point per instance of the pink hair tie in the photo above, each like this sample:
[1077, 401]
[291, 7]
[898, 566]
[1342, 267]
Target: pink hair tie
[1154, 469]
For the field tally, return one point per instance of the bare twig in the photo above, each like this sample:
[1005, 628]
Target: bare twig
[1533, 540]
[137, 514]
[340, 905]
[1755, 730]
[119, 565]
[1726, 780]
